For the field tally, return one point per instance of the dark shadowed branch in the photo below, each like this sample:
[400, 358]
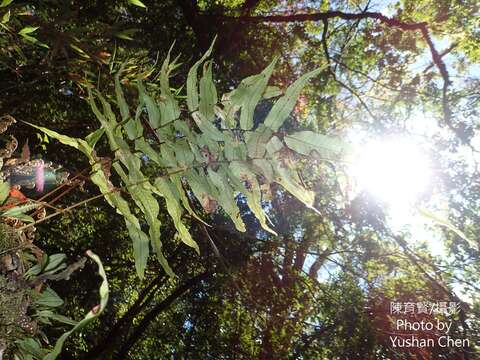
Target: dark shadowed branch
[143, 325]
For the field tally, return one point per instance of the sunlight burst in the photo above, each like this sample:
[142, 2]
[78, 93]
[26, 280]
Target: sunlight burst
[395, 171]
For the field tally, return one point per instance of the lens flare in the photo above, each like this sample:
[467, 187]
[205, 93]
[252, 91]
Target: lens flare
[39, 177]
[396, 171]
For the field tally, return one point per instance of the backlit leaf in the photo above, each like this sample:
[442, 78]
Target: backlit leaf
[137, 3]
[28, 30]
[6, 3]
[248, 94]
[284, 106]
[304, 142]
[192, 90]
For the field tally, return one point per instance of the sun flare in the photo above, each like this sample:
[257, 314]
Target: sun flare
[396, 172]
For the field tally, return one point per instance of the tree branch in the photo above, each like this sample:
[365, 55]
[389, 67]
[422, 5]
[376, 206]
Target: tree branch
[157, 310]
[122, 326]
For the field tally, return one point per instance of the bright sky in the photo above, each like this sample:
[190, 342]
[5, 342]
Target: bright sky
[396, 171]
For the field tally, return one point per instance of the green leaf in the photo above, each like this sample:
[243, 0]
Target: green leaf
[176, 180]
[140, 248]
[143, 146]
[6, 3]
[165, 189]
[199, 184]
[79, 144]
[43, 45]
[28, 30]
[207, 127]
[121, 102]
[226, 196]
[183, 154]
[37, 268]
[257, 140]
[6, 17]
[236, 150]
[304, 142]
[95, 312]
[137, 3]
[79, 51]
[271, 91]
[49, 264]
[208, 93]
[169, 109]
[24, 218]
[249, 93]
[4, 191]
[30, 38]
[152, 108]
[33, 271]
[54, 261]
[30, 346]
[140, 240]
[49, 298]
[134, 127]
[150, 208]
[126, 34]
[264, 168]
[284, 106]
[192, 90]
[288, 178]
[93, 137]
[57, 317]
[18, 210]
[244, 179]
[274, 145]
